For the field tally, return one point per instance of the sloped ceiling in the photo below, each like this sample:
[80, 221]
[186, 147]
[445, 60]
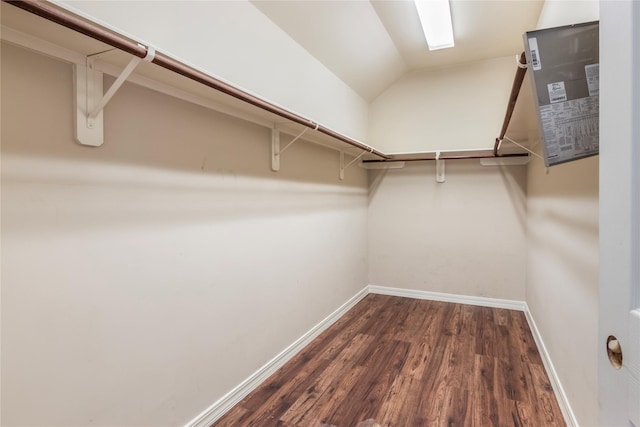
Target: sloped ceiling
[370, 44]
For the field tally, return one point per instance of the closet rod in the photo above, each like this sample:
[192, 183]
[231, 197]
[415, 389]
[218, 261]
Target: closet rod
[515, 91]
[443, 156]
[73, 22]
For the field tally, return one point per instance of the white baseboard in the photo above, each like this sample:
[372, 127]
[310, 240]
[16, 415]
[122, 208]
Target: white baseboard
[561, 396]
[226, 402]
[459, 299]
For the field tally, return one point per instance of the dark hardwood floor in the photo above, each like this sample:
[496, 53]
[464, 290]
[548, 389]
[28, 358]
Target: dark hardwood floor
[407, 362]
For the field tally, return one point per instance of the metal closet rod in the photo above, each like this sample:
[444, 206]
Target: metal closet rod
[443, 156]
[68, 20]
[515, 91]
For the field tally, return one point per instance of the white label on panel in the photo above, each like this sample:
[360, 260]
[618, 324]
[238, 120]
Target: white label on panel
[535, 54]
[557, 92]
[570, 129]
[593, 78]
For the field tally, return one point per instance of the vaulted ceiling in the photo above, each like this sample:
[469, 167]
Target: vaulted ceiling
[370, 44]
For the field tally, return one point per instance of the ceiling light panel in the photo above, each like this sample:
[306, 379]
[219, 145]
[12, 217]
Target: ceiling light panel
[435, 17]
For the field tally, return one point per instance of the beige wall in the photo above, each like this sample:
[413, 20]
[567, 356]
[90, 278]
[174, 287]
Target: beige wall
[465, 236]
[236, 42]
[556, 13]
[562, 265]
[144, 279]
[453, 108]
[562, 278]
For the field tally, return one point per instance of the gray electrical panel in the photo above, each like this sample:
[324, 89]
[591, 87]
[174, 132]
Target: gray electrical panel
[564, 66]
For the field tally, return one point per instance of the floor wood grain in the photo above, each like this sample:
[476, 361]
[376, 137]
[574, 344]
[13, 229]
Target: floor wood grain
[407, 362]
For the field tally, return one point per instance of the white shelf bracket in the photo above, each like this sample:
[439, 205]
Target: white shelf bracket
[275, 146]
[440, 178]
[343, 166]
[89, 100]
[275, 149]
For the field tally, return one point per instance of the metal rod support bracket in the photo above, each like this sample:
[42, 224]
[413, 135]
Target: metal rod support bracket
[293, 141]
[275, 145]
[528, 150]
[89, 100]
[343, 166]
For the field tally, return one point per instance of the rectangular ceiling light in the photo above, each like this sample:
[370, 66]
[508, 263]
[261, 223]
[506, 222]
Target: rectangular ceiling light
[435, 17]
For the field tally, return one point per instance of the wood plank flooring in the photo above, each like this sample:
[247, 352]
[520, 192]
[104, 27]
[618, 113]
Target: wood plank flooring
[407, 362]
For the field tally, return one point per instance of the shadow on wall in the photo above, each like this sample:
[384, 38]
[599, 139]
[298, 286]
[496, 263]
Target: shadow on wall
[375, 179]
[513, 177]
[516, 185]
[563, 217]
[160, 199]
[149, 129]
[465, 236]
[575, 179]
[580, 260]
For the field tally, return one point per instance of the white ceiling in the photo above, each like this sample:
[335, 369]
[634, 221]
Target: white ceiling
[370, 44]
